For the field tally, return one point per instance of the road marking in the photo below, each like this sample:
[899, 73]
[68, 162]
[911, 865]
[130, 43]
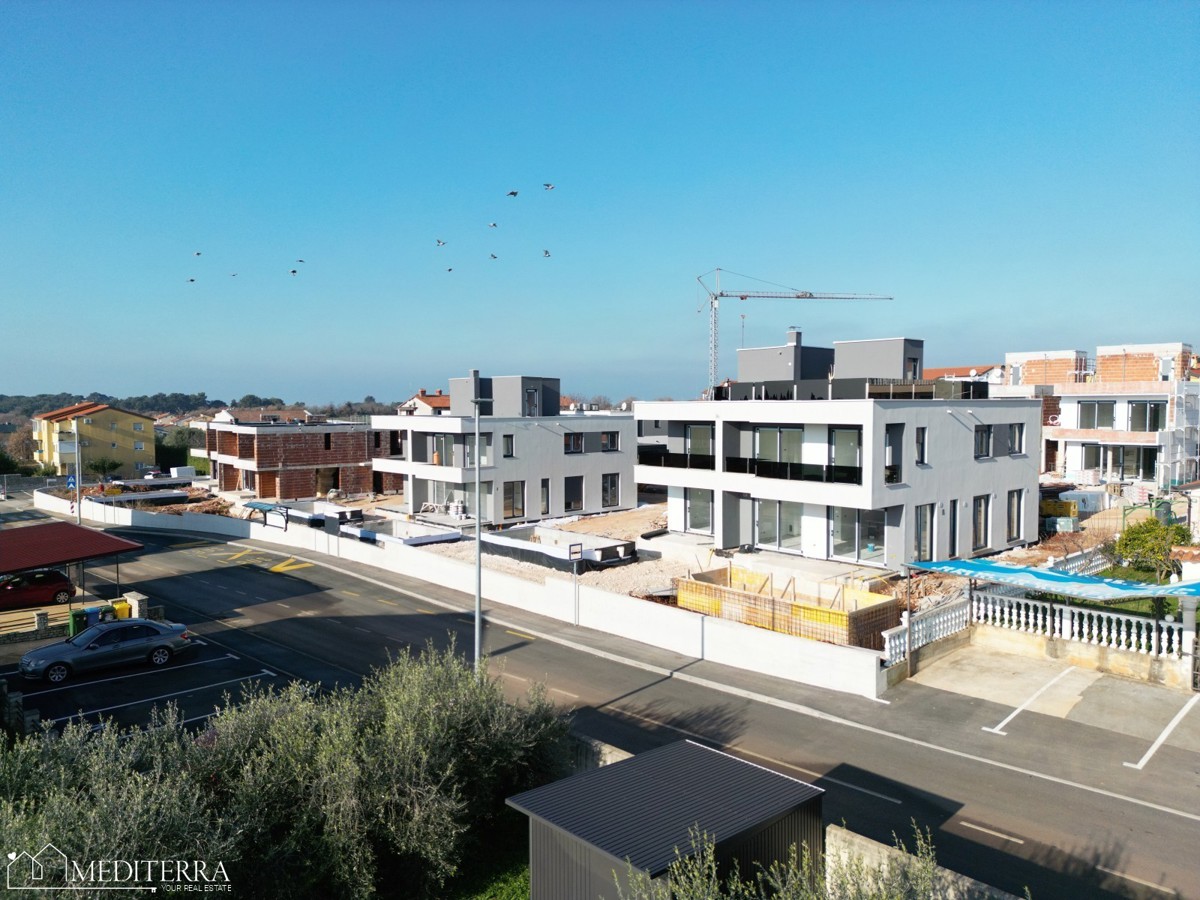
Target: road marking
[285, 605]
[464, 621]
[518, 678]
[1036, 694]
[363, 630]
[191, 690]
[382, 600]
[1149, 884]
[1166, 733]
[176, 667]
[288, 565]
[778, 762]
[430, 612]
[520, 634]
[999, 834]
[564, 693]
[352, 593]
[240, 554]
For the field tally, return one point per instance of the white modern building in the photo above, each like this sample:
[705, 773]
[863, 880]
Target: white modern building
[878, 469]
[1128, 416]
[535, 461]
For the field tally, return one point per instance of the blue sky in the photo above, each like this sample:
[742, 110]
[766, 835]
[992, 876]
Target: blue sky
[1018, 176]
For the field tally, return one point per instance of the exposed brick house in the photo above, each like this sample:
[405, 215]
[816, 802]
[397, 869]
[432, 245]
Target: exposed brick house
[292, 455]
[1129, 416]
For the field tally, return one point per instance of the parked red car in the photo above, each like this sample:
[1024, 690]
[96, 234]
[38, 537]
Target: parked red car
[37, 588]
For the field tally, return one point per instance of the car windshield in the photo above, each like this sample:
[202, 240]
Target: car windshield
[6, 580]
[86, 636]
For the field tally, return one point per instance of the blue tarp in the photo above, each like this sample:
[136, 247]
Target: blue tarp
[1087, 587]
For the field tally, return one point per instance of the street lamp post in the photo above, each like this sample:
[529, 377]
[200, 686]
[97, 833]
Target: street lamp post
[478, 538]
[78, 473]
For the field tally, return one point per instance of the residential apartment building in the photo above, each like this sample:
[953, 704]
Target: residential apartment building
[293, 455]
[872, 466]
[1128, 416]
[104, 432]
[535, 461]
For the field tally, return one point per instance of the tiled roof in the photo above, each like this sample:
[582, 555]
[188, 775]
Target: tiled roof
[87, 408]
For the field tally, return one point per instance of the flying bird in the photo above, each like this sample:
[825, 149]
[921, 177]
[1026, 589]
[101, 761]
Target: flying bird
[292, 272]
[548, 186]
[494, 256]
[545, 253]
[233, 274]
[197, 253]
[449, 270]
[441, 243]
[491, 224]
[511, 194]
[190, 280]
[299, 260]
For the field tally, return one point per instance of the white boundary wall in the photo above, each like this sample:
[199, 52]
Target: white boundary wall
[852, 670]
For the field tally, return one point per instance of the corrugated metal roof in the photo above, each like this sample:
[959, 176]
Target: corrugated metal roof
[642, 808]
[56, 544]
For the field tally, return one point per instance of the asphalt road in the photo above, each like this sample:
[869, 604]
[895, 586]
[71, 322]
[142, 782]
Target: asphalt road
[1052, 805]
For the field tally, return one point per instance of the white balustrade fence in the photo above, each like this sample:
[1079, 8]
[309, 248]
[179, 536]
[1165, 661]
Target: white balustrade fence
[1085, 562]
[1117, 631]
[927, 626]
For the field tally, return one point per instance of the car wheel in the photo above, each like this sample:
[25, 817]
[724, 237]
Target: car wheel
[62, 596]
[57, 673]
[160, 656]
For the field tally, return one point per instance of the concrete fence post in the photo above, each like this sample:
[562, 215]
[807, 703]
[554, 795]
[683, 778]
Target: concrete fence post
[1187, 608]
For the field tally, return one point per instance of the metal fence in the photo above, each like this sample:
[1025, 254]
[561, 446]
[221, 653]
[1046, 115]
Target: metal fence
[13, 484]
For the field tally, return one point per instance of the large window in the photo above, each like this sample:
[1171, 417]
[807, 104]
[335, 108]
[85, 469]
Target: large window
[514, 499]
[610, 440]
[573, 442]
[779, 524]
[573, 493]
[979, 522]
[699, 509]
[856, 534]
[778, 444]
[508, 443]
[610, 490]
[1016, 510]
[922, 455]
[545, 496]
[983, 441]
[923, 533]
[1146, 415]
[1091, 456]
[1016, 438]
[1096, 413]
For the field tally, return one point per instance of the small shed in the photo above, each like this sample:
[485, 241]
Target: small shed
[584, 831]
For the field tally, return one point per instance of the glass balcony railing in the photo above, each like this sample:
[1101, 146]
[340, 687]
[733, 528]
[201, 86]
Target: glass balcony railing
[677, 460]
[793, 471]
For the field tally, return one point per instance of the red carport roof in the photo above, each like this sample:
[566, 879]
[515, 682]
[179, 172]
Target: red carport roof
[55, 544]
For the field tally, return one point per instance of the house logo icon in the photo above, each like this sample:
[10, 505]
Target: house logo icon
[36, 871]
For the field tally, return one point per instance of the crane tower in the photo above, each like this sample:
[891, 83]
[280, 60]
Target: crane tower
[715, 296]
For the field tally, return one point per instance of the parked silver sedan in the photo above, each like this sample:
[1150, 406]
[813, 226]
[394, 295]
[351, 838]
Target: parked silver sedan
[122, 642]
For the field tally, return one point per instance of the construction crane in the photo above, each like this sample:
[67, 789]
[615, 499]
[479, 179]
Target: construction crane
[714, 301]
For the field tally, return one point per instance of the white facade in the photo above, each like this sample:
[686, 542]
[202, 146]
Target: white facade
[531, 467]
[878, 482]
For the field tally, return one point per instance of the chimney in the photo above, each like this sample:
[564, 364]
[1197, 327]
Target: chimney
[421, 393]
[439, 392]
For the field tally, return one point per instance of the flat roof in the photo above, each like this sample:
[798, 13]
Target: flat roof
[56, 544]
[642, 808]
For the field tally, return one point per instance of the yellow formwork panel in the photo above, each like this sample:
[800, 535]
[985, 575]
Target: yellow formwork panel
[698, 598]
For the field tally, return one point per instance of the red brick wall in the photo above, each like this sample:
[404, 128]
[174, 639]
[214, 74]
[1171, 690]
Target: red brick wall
[268, 484]
[227, 477]
[355, 479]
[297, 483]
[1117, 367]
[392, 482]
[1060, 370]
[308, 449]
[1051, 406]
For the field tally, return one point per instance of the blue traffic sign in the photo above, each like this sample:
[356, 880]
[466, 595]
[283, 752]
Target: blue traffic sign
[70, 481]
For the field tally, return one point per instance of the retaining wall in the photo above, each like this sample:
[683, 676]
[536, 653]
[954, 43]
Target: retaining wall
[851, 670]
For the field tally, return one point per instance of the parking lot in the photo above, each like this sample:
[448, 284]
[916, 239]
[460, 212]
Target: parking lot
[196, 683]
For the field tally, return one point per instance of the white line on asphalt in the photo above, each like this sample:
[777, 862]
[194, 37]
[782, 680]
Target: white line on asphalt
[363, 630]
[67, 687]
[564, 693]
[1166, 733]
[999, 834]
[1036, 694]
[797, 708]
[285, 606]
[92, 712]
[518, 677]
[1149, 884]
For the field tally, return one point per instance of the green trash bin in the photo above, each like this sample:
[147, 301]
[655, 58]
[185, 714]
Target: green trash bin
[77, 621]
[108, 613]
